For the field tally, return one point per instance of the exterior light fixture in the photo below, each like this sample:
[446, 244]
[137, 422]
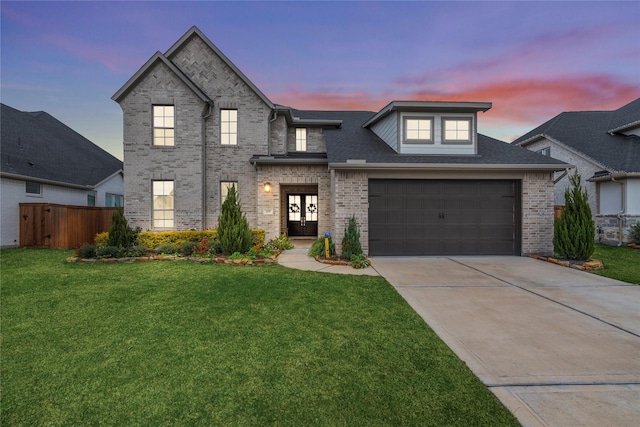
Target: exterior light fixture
[267, 187]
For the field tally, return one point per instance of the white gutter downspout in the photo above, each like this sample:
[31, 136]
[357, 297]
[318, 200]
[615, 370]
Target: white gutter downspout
[206, 113]
[618, 215]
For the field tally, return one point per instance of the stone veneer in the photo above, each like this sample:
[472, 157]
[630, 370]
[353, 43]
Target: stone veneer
[608, 228]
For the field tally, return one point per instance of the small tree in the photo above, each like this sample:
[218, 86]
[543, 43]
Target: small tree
[233, 229]
[120, 234]
[574, 231]
[351, 240]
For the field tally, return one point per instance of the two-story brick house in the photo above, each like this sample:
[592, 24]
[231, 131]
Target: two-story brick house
[417, 175]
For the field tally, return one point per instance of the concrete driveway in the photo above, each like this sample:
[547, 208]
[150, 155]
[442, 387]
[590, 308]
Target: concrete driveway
[559, 347]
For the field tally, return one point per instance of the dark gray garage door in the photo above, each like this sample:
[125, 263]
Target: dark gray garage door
[433, 217]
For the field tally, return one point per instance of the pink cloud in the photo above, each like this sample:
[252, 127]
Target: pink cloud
[113, 58]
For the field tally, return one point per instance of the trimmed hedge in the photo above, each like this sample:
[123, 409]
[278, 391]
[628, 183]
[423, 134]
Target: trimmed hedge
[153, 239]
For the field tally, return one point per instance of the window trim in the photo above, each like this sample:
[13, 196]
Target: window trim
[406, 140]
[154, 210]
[303, 142]
[114, 196]
[31, 194]
[237, 132]
[546, 151]
[154, 127]
[223, 198]
[457, 141]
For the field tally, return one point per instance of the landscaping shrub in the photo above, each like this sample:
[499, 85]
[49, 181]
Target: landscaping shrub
[87, 251]
[109, 252]
[233, 229]
[317, 248]
[120, 234]
[137, 250]
[359, 261]
[167, 248]
[101, 239]
[278, 244]
[635, 232]
[351, 240]
[574, 231]
[202, 248]
[187, 248]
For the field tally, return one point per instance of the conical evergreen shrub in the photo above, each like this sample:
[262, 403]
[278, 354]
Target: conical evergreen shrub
[233, 229]
[574, 231]
[120, 234]
[351, 240]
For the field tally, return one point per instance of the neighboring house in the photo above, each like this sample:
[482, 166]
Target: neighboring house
[605, 147]
[417, 175]
[44, 161]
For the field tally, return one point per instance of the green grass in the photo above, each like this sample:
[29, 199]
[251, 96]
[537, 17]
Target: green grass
[620, 262]
[179, 343]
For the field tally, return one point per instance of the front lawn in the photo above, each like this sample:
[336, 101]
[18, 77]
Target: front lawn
[177, 343]
[620, 262]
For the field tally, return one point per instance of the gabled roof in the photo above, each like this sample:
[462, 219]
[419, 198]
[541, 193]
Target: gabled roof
[626, 117]
[158, 58]
[587, 133]
[166, 59]
[38, 146]
[357, 147]
[436, 106]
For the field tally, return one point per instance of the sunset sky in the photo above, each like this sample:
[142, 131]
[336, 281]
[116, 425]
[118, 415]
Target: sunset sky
[532, 60]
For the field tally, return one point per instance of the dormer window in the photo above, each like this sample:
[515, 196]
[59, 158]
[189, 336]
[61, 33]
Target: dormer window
[301, 139]
[418, 130]
[456, 130]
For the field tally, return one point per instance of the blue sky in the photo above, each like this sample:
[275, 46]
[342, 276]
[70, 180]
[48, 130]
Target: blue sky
[533, 60]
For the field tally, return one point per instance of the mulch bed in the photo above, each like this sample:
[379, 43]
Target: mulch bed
[217, 260]
[589, 265]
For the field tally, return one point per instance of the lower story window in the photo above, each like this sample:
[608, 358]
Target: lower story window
[224, 189]
[91, 198]
[113, 200]
[33, 188]
[163, 204]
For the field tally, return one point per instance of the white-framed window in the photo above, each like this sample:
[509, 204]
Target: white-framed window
[33, 188]
[91, 198]
[224, 189]
[301, 139]
[113, 200]
[163, 204]
[228, 127]
[164, 125]
[546, 151]
[418, 129]
[457, 130]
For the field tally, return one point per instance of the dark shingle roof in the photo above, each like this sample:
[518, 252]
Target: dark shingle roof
[37, 145]
[626, 115]
[352, 141]
[587, 132]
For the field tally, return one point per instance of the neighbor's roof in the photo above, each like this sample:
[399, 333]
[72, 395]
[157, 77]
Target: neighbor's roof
[588, 133]
[354, 146]
[36, 145]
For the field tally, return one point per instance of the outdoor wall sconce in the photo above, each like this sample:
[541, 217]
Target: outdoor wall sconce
[267, 187]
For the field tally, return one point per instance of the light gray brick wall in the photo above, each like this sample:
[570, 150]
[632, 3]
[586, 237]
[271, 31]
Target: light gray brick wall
[183, 163]
[351, 197]
[315, 140]
[537, 213]
[585, 167]
[144, 162]
[272, 215]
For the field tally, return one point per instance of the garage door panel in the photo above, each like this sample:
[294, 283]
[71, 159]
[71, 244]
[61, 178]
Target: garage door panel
[431, 217]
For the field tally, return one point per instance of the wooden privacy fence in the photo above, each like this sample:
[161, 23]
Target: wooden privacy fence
[557, 211]
[47, 225]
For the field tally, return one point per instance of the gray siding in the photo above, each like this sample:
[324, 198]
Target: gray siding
[387, 129]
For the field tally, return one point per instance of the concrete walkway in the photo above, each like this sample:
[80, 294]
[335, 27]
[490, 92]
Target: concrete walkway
[558, 347]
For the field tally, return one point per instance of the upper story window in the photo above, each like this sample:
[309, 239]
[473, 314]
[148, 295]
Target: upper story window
[113, 200]
[545, 151]
[301, 139]
[163, 125]
[418, 129]
[456, 130]
[163, 207]
[33, 188]
[229, 127]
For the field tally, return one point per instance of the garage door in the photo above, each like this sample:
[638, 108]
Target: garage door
[453, 217]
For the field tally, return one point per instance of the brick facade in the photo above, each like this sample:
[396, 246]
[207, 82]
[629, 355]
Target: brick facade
[537, 213]
[350, 197]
